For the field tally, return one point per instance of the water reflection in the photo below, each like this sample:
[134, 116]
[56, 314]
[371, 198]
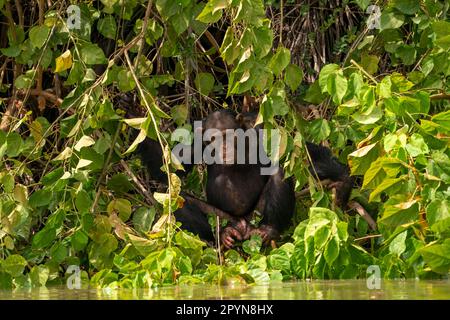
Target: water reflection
[298, 290]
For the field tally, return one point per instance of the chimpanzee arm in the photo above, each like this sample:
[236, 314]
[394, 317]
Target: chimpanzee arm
[152, 157]
[326, 166]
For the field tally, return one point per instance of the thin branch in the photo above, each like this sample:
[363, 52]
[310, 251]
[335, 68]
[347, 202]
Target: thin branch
[148, 196]
[42, 93]
[353, 62]
[40, 71]
[440, 96]
[368, 237]
[143, 31]
[306, 191]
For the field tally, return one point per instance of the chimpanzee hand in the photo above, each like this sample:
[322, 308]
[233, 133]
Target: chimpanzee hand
[237, 231]
[266, 232]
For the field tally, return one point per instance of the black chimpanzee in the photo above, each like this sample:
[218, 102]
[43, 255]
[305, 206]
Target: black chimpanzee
[242, 191]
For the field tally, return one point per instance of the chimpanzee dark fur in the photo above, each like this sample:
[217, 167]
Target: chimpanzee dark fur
[241, 190]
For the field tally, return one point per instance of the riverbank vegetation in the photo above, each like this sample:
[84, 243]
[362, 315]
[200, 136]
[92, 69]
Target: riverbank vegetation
[368, 82]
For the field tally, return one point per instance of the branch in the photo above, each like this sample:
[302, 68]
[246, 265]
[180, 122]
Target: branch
[353, 62]
[140, 186]
[144, 29]
[368, 237]
[42, 93]
[440, 96]
[306, 191]
[207, 208]
[40, 71]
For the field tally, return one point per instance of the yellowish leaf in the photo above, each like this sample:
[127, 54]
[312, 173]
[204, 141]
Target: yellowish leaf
[64, 61]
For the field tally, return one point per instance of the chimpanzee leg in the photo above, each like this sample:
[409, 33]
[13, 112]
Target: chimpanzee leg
[194, 220]
[326, 166]
[277, 205]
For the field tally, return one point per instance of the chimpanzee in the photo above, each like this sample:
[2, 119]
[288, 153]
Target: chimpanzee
[240, 190]
[324, 164]
[241, 185]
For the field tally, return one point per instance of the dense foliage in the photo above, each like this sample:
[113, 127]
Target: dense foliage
[74, 193]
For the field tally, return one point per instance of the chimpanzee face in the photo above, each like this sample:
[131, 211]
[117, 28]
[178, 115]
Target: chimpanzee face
[219, 136]
[230, 139]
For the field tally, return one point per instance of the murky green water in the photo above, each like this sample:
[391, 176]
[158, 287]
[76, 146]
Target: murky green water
[303, 290]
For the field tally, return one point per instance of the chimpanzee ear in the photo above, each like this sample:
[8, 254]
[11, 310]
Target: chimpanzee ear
[240, 118]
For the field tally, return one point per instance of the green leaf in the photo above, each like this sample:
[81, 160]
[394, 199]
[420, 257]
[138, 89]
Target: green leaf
[397, 213]
[417, 145]
[204, 82]
[212, 12]
[253, 245]
[438, 215]
[332, 251]
[12, 51]
[384, 186]
[89, 76]
[374, 174]
[92, 54]
[384, 87]
[179, 114]
[76, 73]
[120, 206]
[407, 54]
[293, 76]
[14, 265]
[363, 4]
[280, 60]
[40, 198]
[263, 37]
[83, 202]
[398, 244]
[143, 219]
[79, 240]
[314, 94]
[325, 73]
[107, 27]
[38, 35]
[125, 81]
[321, 235]
[407, 6]
[337, 87]
[370, 63]
[442, 30]
[437, 256]
[361, 159]
[443, 119]
[391, 20]
[39, 275]
[44, 238]
[14, 144]
[120, 183]
[319, 130]
[25, 81]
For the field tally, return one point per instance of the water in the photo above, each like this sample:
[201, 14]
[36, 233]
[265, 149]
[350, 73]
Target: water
[298, 290]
